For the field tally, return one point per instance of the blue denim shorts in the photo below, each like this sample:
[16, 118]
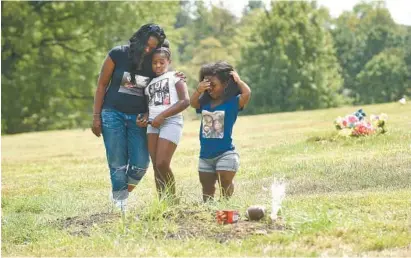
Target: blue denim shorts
[228, 161]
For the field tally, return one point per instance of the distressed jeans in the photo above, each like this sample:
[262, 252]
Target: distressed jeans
[126, 150]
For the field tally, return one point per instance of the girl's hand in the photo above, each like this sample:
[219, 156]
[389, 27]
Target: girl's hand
[203, 86]
[181, 75]
[158, 121]
[236, 77]
[142, 120]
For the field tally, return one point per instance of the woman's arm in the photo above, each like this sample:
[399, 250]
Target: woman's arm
[102, 83]
[245, 90]
[177, 107]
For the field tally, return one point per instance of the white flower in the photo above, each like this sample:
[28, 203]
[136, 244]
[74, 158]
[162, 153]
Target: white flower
[403, 101]
[339, 120]
[345, 132]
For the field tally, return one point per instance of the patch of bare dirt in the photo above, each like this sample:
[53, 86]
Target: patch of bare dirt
[203, 224]
[81, 226]
[224, 233]
[200, 223]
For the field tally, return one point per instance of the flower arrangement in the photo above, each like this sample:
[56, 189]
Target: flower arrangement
[357, 125]
[379, 122]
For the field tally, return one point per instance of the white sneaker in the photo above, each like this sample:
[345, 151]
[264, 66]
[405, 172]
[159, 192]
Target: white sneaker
[121, 205]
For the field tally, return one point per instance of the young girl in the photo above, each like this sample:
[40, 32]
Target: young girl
[218, 158]
[167, 97]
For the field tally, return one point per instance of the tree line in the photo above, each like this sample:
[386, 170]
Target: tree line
[294, 55]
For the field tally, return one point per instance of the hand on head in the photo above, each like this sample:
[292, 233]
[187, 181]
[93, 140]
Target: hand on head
[235, 76]
[203, 86]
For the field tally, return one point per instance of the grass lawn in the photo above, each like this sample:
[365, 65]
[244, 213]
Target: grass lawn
[344, 196]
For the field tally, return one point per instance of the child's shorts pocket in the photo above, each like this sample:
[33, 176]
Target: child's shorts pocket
[228, 161]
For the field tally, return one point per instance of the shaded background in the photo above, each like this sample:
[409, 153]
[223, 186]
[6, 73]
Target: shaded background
[294, 55]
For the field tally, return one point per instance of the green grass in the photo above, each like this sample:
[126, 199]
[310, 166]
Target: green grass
[344, 196]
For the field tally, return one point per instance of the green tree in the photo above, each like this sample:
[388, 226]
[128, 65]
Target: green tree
[384, 78]
[290, 63]
[51, 56]
[407, 50]
[251, 6]
[361, 34]
[207, 38]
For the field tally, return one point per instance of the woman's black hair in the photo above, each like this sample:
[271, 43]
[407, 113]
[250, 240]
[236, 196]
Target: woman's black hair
[221, 70]
[166, 44]
[138, 42]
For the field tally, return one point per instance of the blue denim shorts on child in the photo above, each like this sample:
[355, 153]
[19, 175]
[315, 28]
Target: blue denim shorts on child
[228, 161]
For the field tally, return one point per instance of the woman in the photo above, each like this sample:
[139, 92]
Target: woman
[127, 71]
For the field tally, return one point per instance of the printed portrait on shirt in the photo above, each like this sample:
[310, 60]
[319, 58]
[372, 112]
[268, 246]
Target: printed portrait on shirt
[213, 124]
[133, 89]
[159, 93]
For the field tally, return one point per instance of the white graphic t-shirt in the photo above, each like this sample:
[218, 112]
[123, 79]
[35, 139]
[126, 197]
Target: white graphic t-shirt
[162, 94]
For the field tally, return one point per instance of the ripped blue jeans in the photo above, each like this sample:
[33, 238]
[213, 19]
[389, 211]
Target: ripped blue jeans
[126, 150]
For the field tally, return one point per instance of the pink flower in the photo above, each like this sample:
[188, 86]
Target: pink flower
[351, 125]
[352, 119]
[344, 122]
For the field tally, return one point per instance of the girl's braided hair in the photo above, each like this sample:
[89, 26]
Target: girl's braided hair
[163, 50]
[137, 44]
